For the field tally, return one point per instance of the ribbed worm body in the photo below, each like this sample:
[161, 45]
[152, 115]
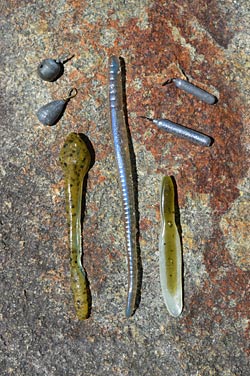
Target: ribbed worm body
[170, 250]
[123, 158]
[75, 160]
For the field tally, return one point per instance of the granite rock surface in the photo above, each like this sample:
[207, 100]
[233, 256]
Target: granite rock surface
[158, 40]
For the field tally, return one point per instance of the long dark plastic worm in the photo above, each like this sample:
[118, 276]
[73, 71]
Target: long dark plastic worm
[75, 160]
[196, 91]
[181, 131]
[170, 250]
[123, 158]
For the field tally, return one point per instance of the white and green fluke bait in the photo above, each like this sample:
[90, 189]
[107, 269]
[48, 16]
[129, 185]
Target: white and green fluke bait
[170, 250]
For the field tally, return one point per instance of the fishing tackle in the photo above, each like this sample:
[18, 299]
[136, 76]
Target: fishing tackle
[123, 158]
[75, 160]
[51, 113]
[51, 69]
[181, 131]
[192, 89]
[170, 250]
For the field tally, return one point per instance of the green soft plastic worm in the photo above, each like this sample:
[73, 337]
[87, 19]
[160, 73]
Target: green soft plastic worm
[75, 160]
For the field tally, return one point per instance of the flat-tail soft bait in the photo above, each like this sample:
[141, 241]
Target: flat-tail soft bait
[181, 131]
[123, 158]
[170, 250]
[75, 160]
[199, 93]
[51, 113]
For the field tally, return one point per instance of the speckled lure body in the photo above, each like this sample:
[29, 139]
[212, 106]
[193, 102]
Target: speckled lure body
[123, 158]
[170, 250]
[75, 160]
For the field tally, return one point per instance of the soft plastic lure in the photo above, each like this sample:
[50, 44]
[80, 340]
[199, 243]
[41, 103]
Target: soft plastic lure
[170, 250]
[123, 158]
[75, 160]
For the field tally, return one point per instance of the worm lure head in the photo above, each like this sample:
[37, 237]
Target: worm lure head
[50, 69]
[52, 112]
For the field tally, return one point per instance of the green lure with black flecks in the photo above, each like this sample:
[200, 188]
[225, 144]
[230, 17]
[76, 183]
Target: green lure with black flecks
[170, 250]
[75, 160]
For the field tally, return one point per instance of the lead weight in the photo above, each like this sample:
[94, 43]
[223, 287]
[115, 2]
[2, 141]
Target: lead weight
[181, 131]
[52, 112]
[186, 86]
[51, 69]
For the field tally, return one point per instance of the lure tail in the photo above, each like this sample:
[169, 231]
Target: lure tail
[81, 292]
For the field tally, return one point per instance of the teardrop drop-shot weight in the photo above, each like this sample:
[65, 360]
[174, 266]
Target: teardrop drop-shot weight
[51, 113]
[181, 131]
[194, 90]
